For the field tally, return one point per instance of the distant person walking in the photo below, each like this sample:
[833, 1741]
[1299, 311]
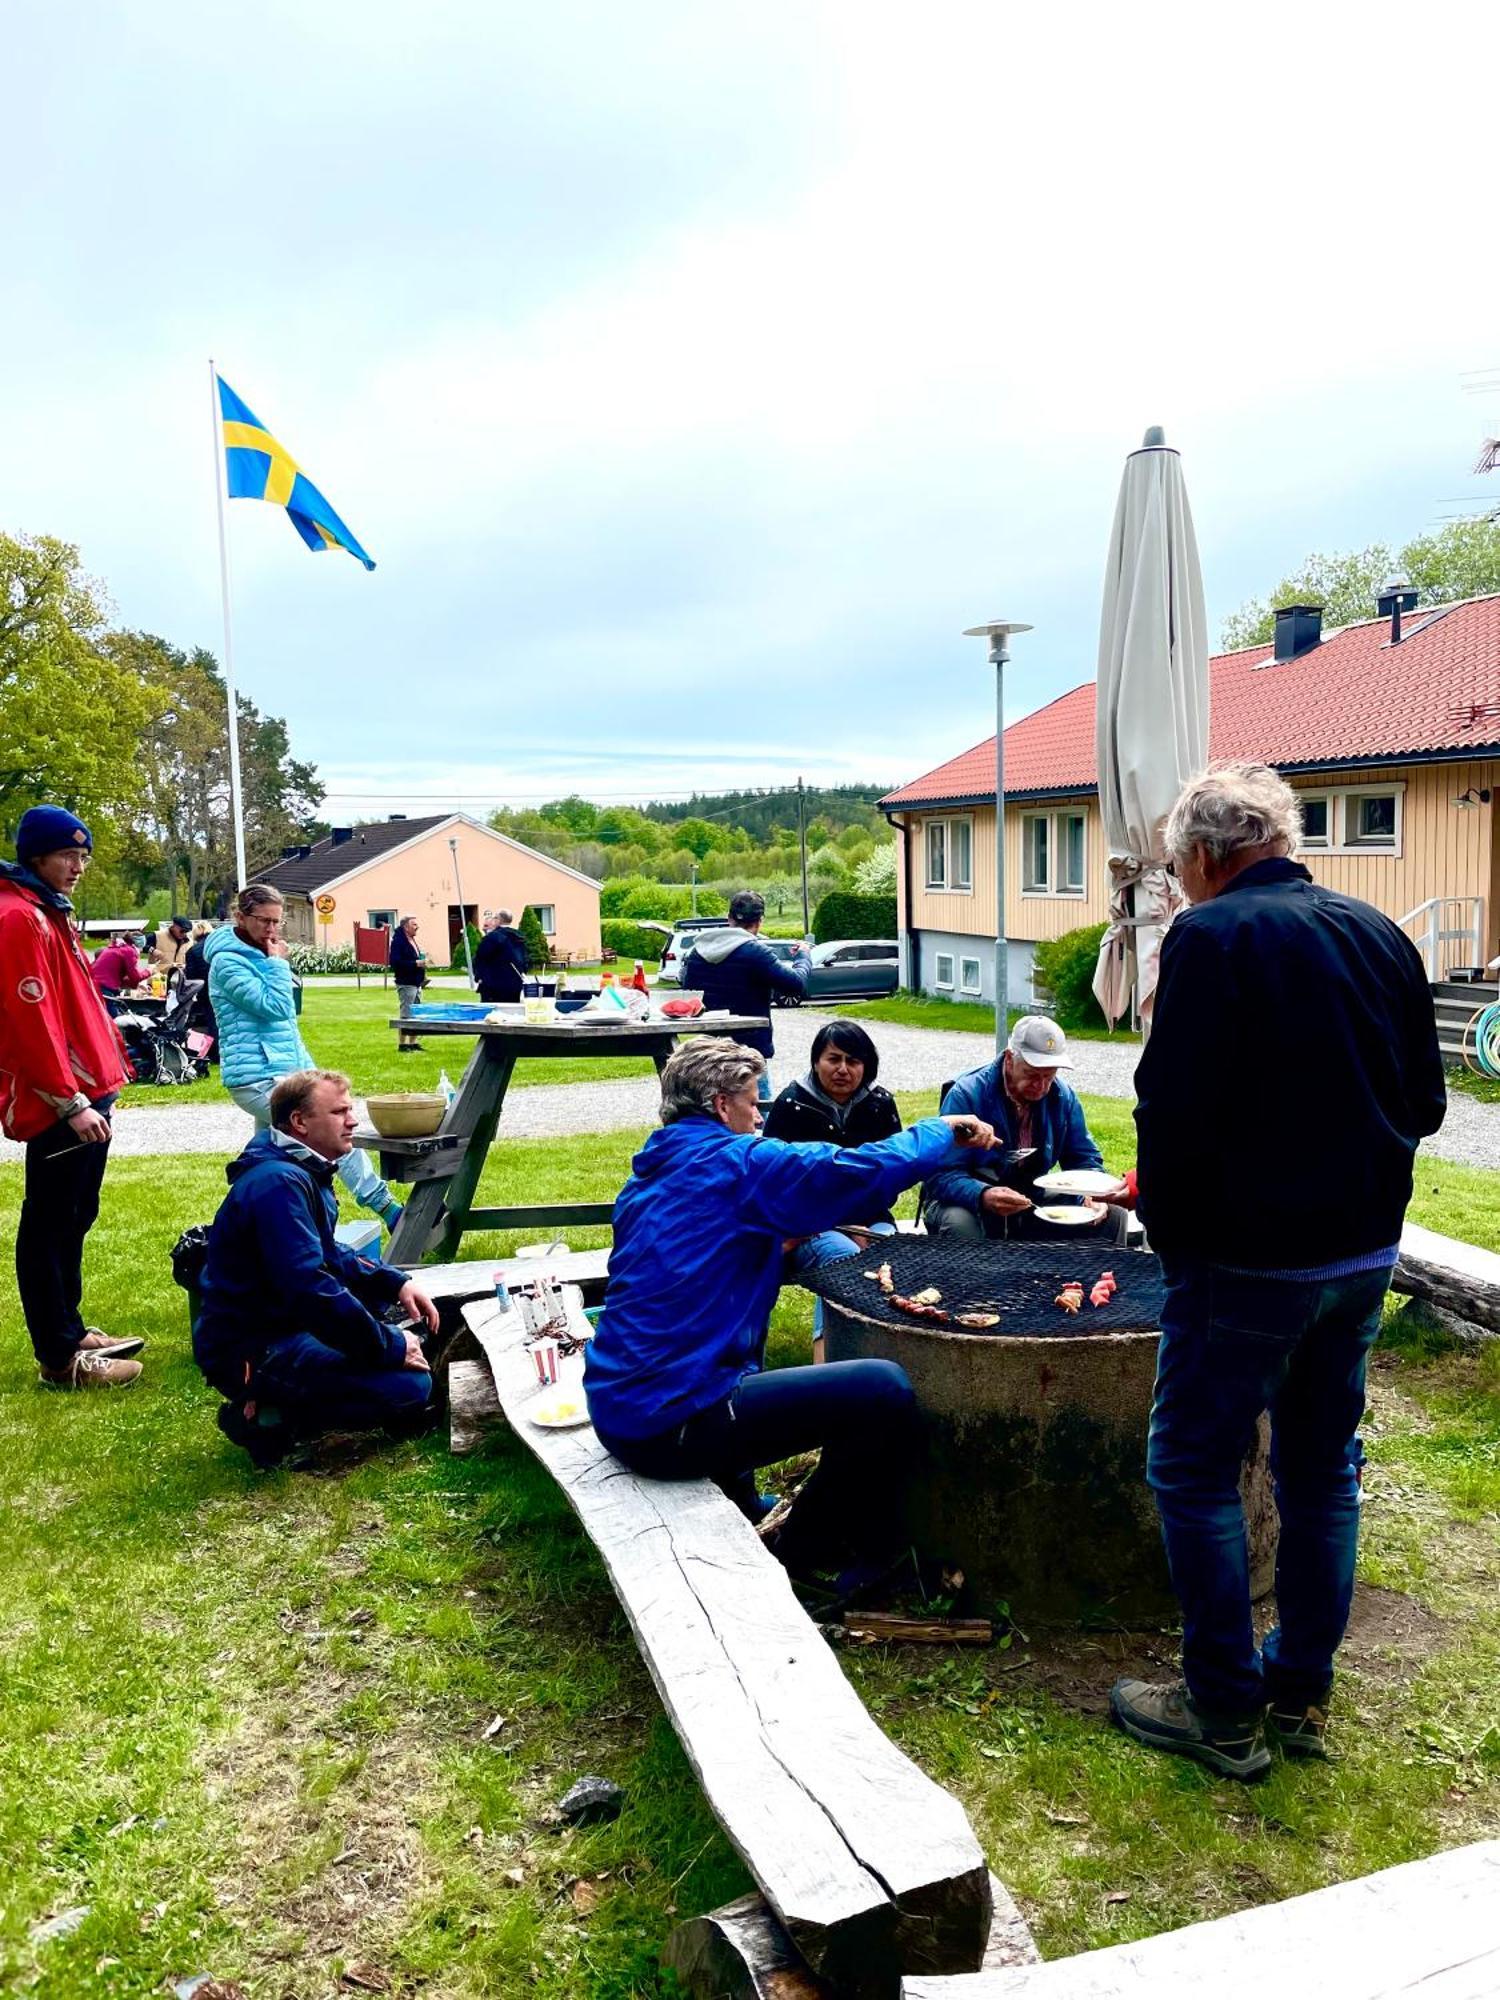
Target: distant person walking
[62, 1064]
[500, 960]
[250, 984]
[409, 970]
[733, 970]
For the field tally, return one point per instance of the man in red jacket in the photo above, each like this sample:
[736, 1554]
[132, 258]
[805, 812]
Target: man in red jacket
[61, 1067]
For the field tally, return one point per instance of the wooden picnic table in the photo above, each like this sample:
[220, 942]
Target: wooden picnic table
[444, 1169]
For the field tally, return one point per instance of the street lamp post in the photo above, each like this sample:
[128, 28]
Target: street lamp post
[463, 921]
[998, 633]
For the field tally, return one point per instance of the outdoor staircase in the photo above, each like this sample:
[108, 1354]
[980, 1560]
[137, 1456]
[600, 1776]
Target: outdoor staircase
[1456, 1002]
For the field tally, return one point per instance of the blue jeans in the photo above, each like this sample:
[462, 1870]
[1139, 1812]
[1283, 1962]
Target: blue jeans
[764, 1093]
[354, 1170]
[862, 1413]
[1232, 1347]
[318, 1389]
[827, 1248]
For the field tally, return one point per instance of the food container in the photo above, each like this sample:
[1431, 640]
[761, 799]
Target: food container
[406, 1114]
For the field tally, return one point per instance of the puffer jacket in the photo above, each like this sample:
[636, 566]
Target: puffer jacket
[56, 1037]
[254, 1002]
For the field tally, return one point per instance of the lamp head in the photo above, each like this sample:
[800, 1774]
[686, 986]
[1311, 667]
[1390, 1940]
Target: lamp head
[998, 633]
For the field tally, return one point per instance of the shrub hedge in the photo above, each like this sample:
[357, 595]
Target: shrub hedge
[847, 914]
[631, 940]
[1065, 966]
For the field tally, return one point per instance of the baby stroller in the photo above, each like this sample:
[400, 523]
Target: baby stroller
[166, 1050]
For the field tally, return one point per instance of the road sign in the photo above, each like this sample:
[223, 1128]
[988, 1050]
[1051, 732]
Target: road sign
[325, 907]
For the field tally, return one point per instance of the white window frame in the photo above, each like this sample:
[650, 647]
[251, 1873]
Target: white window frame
[1352, 842]
[940, 959]
[382, 920]
[1343, 808]
[938, 843]
[1305, 799]
[1051, 882]
[544, 912]
[965, 984]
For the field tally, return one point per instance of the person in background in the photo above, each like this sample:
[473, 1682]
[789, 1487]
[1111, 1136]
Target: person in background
[500, 961]
[674, 1380]
[291, 1331]
[169, 948]
[250, 985]
[837, 1103]
[736, 972]
[1041, 1126]
[409, 970]
[195, 973]
[117, 969]
[62, 1064]
[1273, 1297]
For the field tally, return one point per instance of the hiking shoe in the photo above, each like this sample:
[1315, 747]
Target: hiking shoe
[96, 1341]
[1298, 1732]
[1164, 1715]
[267, 1444]
[90, 1369]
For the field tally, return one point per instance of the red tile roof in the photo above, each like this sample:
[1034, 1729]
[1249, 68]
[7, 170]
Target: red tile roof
[1353, 699]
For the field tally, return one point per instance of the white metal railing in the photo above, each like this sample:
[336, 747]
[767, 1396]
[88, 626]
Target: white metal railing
[1433, 935]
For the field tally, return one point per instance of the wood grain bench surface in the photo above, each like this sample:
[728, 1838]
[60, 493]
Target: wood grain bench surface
[872, 1868]
[1429, 1928]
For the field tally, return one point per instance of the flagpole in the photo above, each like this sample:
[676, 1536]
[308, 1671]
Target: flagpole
[220, 480]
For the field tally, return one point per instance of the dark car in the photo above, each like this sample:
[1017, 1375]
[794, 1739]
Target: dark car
[851, 969]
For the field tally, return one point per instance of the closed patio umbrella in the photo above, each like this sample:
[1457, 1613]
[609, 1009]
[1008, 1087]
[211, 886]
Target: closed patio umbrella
[1152, 716]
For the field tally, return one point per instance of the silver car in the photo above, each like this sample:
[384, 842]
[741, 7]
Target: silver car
[849, 969]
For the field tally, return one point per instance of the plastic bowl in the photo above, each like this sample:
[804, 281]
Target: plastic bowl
[573, 1003]
[406, 1114]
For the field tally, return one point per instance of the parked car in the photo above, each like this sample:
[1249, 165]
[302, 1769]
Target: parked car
[680, 943]
[850, 969]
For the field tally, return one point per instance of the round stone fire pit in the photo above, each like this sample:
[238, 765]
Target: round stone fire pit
[1032, 1474]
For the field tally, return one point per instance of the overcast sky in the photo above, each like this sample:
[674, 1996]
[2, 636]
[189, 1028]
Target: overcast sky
[695, 373]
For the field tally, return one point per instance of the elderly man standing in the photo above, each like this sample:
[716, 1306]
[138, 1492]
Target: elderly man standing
[500, 961]
[291, 1330]
[409, 970]
[1274, 991]
[1039, 1124]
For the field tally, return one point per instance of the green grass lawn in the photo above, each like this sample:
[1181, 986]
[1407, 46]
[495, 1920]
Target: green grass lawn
[245, 1718]
[924, 1010]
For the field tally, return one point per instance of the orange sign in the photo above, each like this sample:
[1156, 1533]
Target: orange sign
[325, 907]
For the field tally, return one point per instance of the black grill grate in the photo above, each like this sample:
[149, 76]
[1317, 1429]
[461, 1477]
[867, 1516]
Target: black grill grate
[1019, 1281]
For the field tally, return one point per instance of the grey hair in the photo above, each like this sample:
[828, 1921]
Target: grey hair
[505, 916]
[1232, 807]
[406, 920]
[703, 1069]
[293, 1093]
[255, 896]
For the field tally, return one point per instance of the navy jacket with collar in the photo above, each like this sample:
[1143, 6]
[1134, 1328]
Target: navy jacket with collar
[1291, 1068]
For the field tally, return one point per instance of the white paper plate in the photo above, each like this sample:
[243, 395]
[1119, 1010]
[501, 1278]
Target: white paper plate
[1080, 1180]
[544, 1411]
[1068, 1218]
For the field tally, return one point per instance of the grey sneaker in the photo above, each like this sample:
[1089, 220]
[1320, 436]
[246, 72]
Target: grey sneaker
[90, 1369]
[1163, 1714]
[97, 1341]
[1298, 1732]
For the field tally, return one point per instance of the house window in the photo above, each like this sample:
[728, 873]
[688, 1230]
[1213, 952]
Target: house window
[943, 974]
[1054, 853]
[950, 854]
[382, 920]
[546, 916]
[968, 976]
[1316, 831]
[1370, 819]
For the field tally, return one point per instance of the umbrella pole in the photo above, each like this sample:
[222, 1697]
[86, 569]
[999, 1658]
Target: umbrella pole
[1000, 653]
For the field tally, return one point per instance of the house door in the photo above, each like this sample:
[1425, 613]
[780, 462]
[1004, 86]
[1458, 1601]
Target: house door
[457, 918]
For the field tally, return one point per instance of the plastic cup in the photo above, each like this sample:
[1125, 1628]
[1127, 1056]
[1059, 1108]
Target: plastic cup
[544, 1358]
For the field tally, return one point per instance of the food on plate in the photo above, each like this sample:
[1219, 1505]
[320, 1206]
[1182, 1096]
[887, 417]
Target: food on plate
[1070, 1298]
[977, 1319]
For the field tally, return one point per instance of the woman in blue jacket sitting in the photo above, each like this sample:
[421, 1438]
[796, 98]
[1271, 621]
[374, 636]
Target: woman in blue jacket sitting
[674, 1378]
[255, 1002]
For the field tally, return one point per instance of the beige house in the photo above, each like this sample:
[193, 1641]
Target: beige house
[1389, 730]
[402, 867]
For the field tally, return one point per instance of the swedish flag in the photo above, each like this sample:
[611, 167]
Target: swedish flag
[258, 468]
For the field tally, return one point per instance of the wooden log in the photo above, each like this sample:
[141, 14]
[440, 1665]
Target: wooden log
[872, 1869]
[473, 1407]
[1428, 1928]
[891, 1630]
[1459, 1277]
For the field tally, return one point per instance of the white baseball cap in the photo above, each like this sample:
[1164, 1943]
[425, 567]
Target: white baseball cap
[1039, 1042]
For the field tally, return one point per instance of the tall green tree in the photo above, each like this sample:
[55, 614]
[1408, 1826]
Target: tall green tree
[1461, 560]
[69, 714]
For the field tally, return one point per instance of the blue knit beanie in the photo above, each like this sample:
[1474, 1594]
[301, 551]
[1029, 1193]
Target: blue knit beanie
[44, 829]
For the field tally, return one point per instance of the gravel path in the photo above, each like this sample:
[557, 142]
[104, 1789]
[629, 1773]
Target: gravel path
[910, 1059]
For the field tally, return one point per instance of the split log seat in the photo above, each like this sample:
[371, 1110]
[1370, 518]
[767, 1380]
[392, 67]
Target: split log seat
[1457, 1276]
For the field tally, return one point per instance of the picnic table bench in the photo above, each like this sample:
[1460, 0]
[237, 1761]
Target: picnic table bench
[444, 1169]
[870, 1869]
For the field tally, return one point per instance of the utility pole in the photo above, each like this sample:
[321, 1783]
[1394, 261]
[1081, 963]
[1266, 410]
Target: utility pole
[693, 878]
[802, 844]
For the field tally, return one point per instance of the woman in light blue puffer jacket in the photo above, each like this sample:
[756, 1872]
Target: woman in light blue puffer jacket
[254, 999]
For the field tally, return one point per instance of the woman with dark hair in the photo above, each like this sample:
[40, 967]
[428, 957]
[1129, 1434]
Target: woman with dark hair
[837, 1103]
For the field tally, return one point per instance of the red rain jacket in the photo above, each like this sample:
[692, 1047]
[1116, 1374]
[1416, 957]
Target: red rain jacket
[56, 1036]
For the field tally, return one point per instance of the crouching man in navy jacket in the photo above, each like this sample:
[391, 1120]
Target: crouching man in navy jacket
[291, 1329]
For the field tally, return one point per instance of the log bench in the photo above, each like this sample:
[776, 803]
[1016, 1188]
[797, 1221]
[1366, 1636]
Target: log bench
[1428, 1927]
[870, 1869]
[1459, 1277]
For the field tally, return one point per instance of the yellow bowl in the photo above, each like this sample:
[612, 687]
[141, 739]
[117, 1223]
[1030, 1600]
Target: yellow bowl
[406, 1114]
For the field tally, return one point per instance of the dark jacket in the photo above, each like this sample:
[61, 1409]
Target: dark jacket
[799, 1118]
[696, 1262]
[273, 1268]
[1291, 1069]
[407, 968]
[735, 971]
[499, 962]
[195, 971]
[1059, 1132]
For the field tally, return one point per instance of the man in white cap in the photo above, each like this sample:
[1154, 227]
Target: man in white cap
[1039, 1125]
